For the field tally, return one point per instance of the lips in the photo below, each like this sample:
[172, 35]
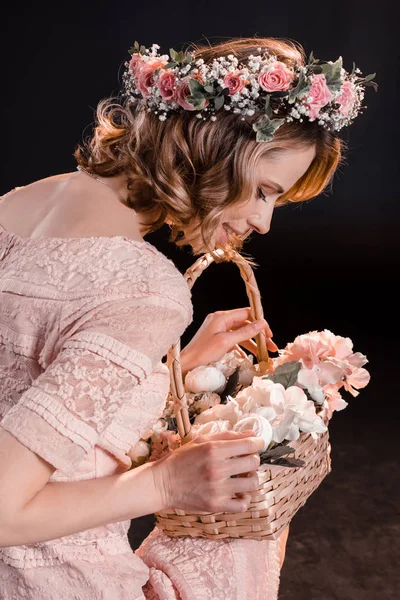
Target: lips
[228, 227]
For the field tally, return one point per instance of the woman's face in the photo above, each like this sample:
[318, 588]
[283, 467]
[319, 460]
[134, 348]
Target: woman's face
[274, 176]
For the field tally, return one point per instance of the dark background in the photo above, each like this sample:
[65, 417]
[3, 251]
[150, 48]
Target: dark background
[328, 263]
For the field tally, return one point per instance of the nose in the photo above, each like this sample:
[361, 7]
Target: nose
[261, 223]
[261, 229]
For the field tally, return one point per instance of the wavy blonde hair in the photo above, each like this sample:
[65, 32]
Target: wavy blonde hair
[186, 168]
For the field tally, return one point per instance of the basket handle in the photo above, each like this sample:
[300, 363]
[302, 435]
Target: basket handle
[173, 357]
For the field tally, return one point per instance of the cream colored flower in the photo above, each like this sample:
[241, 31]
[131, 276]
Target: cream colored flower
[139, 452]
[229, 412]
[205, 379]
[211, 427]
[260, 426]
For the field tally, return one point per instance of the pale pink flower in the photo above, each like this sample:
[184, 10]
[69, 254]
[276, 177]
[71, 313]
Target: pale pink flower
[167, 82]
[320, 94]
[327, 360]
[183, 91]
[135, 63]
[276, 78]
[235, 82]
[163, 443]
[355, 378]
[334, 400]
[347, 97]
[145, 75]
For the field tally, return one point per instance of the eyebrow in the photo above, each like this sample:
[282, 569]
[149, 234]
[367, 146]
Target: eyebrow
[278, 188]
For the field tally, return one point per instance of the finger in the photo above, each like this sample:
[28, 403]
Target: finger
[250, 321]
[235, 317]
[245, 333]
[228, 448]
[234, 506]
[270, 344]
[241, 352]
[242, 464]
[241, 485]
[226, 435]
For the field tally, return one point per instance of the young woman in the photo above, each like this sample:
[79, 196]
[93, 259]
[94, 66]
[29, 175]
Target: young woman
[209, 143]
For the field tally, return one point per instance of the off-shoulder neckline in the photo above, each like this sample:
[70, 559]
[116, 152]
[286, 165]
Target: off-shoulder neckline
[104, 237]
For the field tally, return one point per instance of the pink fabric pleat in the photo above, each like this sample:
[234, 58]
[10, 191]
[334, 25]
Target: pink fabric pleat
[185, 568]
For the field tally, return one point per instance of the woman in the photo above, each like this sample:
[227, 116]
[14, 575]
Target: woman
[89, 309]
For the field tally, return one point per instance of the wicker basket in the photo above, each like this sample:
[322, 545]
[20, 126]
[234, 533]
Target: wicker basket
[282, 490]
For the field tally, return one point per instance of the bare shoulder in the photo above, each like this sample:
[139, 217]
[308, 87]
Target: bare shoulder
[67, 205]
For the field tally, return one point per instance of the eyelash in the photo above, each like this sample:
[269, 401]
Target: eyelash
[261, 195]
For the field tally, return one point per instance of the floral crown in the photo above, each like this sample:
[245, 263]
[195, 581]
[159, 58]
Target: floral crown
[265, 85]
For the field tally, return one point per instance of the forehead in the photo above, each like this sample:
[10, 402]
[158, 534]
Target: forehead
[285, 167]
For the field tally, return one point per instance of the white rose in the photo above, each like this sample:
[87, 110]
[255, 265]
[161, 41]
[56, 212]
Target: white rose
[260, 426]
[211, 427]
[205, 379]
[139, 452]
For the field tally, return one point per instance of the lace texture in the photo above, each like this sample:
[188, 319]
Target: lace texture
[184, 568]
[81, 375]
[84, 324]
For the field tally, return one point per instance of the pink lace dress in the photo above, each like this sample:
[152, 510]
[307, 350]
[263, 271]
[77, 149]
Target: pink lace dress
[84, 325]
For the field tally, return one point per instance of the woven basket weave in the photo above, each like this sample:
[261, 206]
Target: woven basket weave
[282, 490]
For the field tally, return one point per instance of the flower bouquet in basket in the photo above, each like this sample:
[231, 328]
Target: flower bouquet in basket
[288, 401]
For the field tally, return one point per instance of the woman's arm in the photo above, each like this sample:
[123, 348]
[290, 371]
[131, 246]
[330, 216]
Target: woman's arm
[64, 508]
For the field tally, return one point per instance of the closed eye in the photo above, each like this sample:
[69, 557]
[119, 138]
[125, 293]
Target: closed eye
[263, 196]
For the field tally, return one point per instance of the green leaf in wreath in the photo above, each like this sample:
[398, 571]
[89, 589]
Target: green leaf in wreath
[333, 74]
[266, 127]
[173, 54]
[372, 84]
[219, 102]
[209, 89]
[196, 87]
[300, 90]
[188, 58]
[369, 77]
[267, 107]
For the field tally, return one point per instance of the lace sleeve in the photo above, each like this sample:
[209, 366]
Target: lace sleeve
[61, 416]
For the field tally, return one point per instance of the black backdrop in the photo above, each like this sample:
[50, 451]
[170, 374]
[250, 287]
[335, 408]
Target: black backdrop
[329, 263]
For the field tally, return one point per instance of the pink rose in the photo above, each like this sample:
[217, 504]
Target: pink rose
[135, 63]
[144, 75]
[234, 82]
[276, 78]
[183, 91]
[346, 98]
[320, 93]
[167, 84]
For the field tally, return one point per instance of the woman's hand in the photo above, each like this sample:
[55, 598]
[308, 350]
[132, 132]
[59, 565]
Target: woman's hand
[221, 332]
[197, 475]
